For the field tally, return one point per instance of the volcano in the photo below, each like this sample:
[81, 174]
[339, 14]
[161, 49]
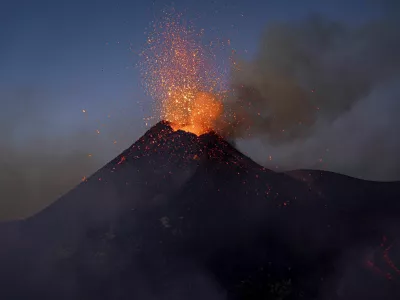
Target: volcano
[180, 216]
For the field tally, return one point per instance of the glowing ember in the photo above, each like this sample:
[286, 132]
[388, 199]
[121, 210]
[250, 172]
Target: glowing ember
[123, 158]
[178, 74]
[196, 116]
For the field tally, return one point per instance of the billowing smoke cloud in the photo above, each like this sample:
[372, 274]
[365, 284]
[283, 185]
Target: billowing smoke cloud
[321, 94]
[318, 94]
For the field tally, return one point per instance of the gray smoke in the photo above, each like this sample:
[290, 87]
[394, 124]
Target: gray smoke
[321, 94]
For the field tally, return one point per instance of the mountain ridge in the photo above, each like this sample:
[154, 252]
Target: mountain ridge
[179, 216]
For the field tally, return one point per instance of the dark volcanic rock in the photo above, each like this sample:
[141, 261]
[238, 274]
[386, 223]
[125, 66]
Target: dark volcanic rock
[178, 216]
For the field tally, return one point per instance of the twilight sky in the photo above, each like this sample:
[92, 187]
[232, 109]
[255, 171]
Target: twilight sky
[60, 57]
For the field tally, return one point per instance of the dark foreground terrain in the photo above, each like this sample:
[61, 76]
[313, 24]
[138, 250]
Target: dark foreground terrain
[177, 216]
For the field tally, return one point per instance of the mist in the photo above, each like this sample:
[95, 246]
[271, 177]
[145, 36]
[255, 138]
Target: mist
[41, 158]
[318, 94]
[323, 95]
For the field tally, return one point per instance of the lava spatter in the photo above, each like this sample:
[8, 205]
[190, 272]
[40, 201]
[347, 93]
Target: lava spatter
[180, 75]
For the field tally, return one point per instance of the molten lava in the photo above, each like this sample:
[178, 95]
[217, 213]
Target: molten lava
[179, 74]
[195, 113]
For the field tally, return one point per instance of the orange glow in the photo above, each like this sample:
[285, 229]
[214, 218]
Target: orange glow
[196, 115]
[177, 72]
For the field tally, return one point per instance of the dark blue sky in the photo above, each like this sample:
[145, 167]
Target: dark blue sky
[81, 54]
[59, 57]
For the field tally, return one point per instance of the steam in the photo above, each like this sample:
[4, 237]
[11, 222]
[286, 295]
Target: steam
[321, 94]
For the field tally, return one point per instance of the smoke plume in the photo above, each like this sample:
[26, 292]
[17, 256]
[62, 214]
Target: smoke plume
[318, 94]
[321, 94]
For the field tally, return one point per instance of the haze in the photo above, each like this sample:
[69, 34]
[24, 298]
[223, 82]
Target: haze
[58, 59]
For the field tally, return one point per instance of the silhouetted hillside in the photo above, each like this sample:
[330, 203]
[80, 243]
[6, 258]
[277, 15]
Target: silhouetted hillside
[177, 216]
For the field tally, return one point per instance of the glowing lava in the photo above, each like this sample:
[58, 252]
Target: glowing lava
[196, 114]
[177, 72]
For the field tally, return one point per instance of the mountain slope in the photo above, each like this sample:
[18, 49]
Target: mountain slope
[178, 216]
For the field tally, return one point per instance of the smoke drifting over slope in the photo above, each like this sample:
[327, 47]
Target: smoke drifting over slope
[322, 94]
[340, 83]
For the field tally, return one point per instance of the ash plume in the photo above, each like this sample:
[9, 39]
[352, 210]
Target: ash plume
[321, 94]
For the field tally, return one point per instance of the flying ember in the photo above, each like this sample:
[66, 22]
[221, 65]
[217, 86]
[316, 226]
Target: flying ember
[178, 73]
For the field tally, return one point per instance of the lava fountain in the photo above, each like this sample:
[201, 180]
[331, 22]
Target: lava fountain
[178, 72]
